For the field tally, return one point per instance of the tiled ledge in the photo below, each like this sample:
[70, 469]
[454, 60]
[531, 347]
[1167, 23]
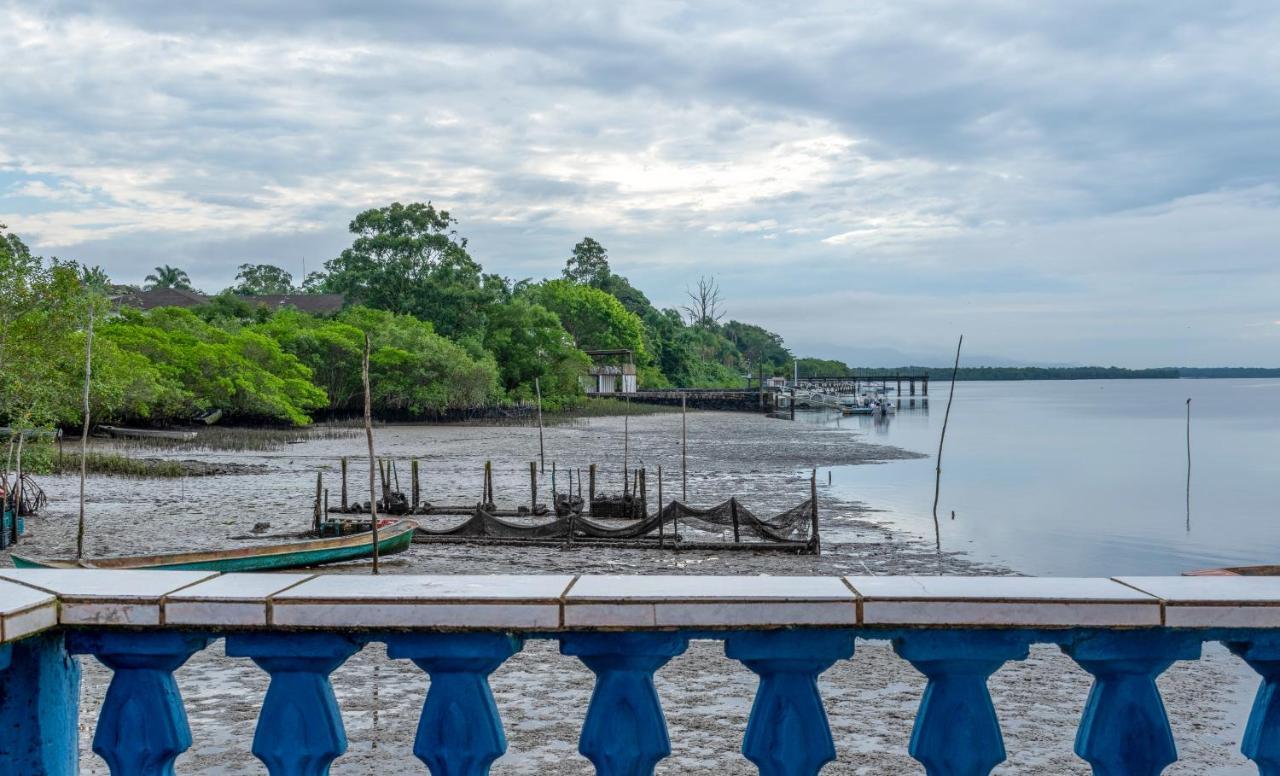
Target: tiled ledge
[32, 600]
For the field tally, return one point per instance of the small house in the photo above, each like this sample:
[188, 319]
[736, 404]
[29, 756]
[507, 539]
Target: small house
[612, 371]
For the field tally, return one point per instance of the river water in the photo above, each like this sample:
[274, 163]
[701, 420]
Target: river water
[1083, 478]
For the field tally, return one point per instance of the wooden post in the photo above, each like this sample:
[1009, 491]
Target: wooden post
[326, 505]
[1188, 465]
[733, 513]
[382, 473]
[413, 475]
[644, 495]
[542, 450]
[315, 510]
[84, 437]
[533, 487]
[487, 497]
[937, 481]
[815, 540]
[554, 491]
[344, 483]
[662, 539]
[591, 487]
[368, 433]
[626, 445]
[684, 448]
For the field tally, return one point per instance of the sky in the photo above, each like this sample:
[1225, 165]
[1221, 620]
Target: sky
[1086, 182]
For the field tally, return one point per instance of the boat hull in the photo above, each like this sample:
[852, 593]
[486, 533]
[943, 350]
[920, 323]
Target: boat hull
[393, 538]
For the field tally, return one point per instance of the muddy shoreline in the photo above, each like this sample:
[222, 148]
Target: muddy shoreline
[871, 699]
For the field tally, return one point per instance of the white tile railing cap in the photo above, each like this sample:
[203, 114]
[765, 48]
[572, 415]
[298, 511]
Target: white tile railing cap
[25, 611]
[695, 601]
[105, 596]
[1003, 602]
[447, 602]
[1214, 601]
[229, 600]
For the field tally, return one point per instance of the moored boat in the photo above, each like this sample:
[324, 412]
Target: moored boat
[1236, 571]
[393, 536]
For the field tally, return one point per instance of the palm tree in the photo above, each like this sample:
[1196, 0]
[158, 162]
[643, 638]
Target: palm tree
[168, 277]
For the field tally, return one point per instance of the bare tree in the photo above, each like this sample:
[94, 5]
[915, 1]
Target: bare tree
[705, 302]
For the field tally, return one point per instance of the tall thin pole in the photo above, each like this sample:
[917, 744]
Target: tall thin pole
[1188, 465]
[816, 539]
[84, 430]
[626, 444]
[684, 448]
[937, 480]
[373, 461]
[542, 450]
[662, 539]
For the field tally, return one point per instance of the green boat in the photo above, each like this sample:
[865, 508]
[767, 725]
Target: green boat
[393, 536]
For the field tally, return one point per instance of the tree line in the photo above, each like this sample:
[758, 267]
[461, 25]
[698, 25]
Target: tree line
[445, 335]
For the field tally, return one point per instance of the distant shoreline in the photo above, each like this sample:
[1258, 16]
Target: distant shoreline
[1003, 373]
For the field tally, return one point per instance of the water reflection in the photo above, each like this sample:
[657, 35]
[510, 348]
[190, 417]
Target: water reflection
[1086, 477]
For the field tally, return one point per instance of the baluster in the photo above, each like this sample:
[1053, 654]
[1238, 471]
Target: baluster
[788, 733]
[957, 732]
[460, 731]
[39, 707]
[624, 733]
[1261, 742]
[142, 726]
[299, 729]
[1124, 730]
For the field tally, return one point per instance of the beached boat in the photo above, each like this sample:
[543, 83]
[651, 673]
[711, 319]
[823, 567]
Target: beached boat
[1236, 571]
[116, 432]
[393, 536]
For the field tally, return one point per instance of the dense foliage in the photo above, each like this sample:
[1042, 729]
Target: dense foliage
[444, 336]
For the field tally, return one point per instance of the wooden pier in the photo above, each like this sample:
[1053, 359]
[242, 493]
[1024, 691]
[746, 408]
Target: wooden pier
[733, 400]
[856, 384]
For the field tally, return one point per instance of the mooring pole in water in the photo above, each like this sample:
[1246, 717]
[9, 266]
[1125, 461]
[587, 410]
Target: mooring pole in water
[326, 505]
[662, 539]
[684, 448]
[554, 492]
[413, 475]
[315, 510]
[733, 514]
[644, 495]
[344, 483]
[813, 513]
[368, 433]
[542, 450]
[533, 487]
[626, 445]
[937, 481]
[487, 495]
[382, 474]
[1188, 465]
[591, 487]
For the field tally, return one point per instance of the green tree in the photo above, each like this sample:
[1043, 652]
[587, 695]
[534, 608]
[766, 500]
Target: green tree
[589, 264]
[168, 277]
[257, 279]
[528, 343]
[408, 260]
[758, 346]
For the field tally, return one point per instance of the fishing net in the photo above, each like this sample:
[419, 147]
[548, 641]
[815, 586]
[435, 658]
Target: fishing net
[792, 526]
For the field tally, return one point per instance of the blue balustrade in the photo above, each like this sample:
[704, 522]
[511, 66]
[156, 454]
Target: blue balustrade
[142, 726]
[299, 728]
[460, 731]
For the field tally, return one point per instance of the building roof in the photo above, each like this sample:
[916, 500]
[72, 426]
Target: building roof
[316, 304]
[163, 297]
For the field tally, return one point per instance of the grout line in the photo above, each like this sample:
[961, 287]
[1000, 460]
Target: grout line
[270, 603]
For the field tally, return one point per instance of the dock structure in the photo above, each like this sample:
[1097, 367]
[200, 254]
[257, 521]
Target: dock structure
[856, 383]
[733, 400]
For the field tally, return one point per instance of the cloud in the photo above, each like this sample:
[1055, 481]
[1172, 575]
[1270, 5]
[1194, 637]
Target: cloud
[1088, 160]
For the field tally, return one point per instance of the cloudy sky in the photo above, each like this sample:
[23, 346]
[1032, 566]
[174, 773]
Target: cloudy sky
[1076, 182]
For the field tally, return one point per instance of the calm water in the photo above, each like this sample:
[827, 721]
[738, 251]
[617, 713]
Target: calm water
[1086, 478]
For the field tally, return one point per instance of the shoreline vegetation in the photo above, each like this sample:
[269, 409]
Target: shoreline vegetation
[449, 342]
